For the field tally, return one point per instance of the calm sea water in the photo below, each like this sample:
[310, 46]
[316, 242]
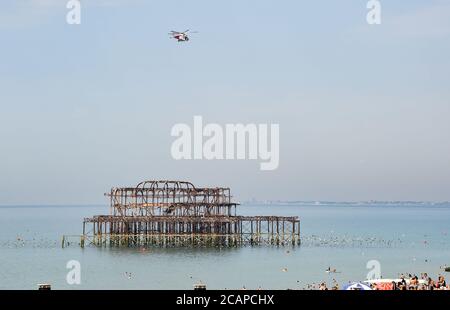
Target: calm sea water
[411, 239]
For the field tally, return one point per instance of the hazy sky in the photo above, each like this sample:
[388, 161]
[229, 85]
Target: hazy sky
[364, 110]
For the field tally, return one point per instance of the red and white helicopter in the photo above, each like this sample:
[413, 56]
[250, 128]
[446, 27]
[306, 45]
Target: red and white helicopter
[180, 36]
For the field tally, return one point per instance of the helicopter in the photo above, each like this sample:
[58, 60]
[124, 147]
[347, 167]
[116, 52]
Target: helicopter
[181, 36]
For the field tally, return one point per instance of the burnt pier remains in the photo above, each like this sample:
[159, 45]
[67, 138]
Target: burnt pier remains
[176, 214]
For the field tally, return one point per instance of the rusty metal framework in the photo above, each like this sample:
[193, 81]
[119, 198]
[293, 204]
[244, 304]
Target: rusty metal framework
[176, 198]
[175, 213]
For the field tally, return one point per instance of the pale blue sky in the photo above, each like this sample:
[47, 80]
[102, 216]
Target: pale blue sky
[364, 111]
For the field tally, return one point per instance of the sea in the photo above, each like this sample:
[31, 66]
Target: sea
[359, 241]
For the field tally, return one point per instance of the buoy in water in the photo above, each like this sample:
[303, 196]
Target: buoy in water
[200, 287]
[44, 287]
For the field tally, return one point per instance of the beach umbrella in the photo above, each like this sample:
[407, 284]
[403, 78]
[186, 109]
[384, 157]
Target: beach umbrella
[356, 286]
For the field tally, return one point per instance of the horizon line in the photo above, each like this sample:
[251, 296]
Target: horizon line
[268, 201]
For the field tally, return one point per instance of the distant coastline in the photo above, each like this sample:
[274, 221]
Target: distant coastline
[352, 203]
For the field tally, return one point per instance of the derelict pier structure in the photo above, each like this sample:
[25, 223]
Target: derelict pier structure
[176, 214]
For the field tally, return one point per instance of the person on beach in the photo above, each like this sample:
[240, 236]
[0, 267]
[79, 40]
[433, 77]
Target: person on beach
[441, 282]
[431, 284]
[414, 282]
[394, 286]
